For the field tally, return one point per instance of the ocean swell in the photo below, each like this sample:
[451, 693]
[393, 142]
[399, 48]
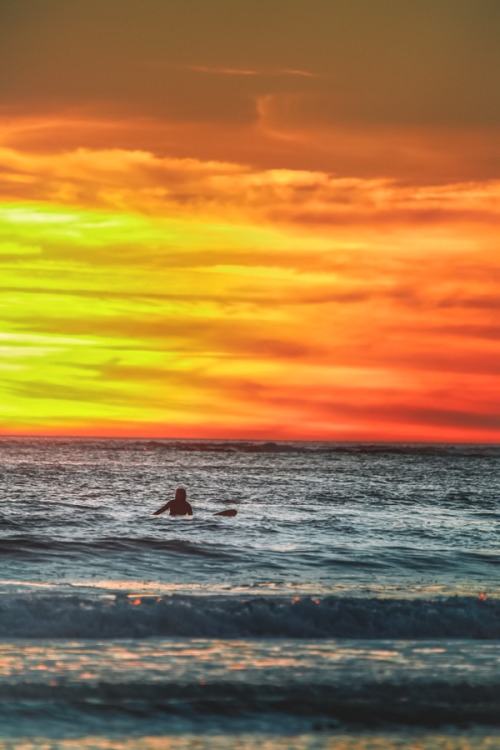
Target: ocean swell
[130, 616]
[366, 703]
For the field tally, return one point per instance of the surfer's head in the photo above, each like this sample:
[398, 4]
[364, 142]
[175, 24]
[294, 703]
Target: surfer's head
[180, 493]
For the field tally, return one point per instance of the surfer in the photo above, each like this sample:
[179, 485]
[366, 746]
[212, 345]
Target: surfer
[179, 506]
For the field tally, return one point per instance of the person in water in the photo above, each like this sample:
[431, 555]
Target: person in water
[179, 506]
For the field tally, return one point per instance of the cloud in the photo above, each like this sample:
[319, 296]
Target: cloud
[122, 180]
[220, 217]
[394, 91]
[391, 63]
[273, 72]
[295, 300]
[269, 136]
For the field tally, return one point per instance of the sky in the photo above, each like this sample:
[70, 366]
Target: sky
[267, 220]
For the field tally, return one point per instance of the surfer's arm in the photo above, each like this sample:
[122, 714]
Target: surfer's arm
[190, 510]
[162, 509]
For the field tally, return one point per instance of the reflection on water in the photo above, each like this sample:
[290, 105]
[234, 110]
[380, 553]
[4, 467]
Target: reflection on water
[133, 588]
[294, 693]
[329, 661]
[319, 741]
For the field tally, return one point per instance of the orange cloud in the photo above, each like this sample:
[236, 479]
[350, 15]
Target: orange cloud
[247, 72]
[159, 294]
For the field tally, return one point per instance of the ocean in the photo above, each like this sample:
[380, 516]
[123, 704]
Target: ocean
[353, 602]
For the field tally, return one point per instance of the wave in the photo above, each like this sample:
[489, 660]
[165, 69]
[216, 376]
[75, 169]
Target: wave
[29, 548]
[131, 616]
[262, 446]
[369, 703]
[188, 559]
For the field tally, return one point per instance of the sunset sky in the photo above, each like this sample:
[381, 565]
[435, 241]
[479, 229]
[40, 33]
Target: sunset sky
[274, 219]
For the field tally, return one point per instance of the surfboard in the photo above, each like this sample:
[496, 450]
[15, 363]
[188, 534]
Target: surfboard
[226, 513]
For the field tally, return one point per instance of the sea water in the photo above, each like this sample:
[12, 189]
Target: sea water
[353, 602]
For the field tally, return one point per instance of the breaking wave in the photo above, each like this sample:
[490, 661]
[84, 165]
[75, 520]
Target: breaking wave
[130, 616]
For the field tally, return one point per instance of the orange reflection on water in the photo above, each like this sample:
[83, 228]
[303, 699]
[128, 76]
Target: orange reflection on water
[260, 741]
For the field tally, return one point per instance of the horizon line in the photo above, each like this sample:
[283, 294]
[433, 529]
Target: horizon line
[242, 440]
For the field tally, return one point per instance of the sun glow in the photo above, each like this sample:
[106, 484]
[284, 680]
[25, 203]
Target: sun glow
[160, 321]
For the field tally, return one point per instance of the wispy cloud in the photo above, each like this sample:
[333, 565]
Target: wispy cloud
[262, 72]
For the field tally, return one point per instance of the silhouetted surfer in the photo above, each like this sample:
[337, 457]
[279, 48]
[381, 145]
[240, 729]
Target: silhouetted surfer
[179, 506]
